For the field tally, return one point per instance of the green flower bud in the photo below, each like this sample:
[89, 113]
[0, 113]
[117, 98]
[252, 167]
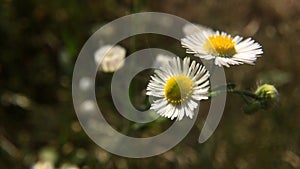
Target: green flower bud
[267, 91]
[268, 94]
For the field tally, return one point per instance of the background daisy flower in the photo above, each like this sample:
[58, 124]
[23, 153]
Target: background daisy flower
[177, 87]
[113, 57]
[223, 48]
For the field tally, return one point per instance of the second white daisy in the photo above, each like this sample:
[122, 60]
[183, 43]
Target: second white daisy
[223, 48]
[177, 88]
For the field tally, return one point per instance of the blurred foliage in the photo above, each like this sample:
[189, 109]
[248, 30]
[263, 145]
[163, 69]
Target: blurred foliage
[40, 41]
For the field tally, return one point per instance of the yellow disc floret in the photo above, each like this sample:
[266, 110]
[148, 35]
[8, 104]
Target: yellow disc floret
[220, 45]
[178, 89]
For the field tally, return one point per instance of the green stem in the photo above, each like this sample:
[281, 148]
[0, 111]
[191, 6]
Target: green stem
[229, 88]
[245, 93]
[136, 6]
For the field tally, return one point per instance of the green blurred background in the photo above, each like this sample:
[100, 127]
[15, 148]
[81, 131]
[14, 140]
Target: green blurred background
[39, 44]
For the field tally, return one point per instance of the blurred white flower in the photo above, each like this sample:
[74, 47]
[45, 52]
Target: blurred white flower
[161, 59]
[43, 165]
[110, 58]
[48, 154]
[165, 22]
[189, 29]
[224, 49]
[16, 99]
[85, 83]
[69, 166]
[107, 30]
[88, 106]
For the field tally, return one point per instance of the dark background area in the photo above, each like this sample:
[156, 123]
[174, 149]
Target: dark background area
[39, 44]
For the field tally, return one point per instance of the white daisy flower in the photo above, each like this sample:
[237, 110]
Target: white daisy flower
[177, 87]
[189, 29]
[112, 57]
[223, 48]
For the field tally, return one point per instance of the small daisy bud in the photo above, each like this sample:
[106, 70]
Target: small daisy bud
[267, 91]
[268, 94]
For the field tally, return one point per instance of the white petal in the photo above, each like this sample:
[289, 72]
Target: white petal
[176, 113]
[161, 103]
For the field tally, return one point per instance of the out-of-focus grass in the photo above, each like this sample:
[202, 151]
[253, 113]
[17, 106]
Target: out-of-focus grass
[39, 44]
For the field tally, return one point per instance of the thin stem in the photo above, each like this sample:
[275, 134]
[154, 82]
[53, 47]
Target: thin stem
[245, 93]
[136, 6]
[245, 99]
[136, 9]
[229, 88]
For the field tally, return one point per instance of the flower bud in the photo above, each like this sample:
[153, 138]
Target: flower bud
[267, 91]
[268, 94]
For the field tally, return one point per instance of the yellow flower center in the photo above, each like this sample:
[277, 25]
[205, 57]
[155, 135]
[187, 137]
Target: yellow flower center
[220, 45]
[178, 89]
